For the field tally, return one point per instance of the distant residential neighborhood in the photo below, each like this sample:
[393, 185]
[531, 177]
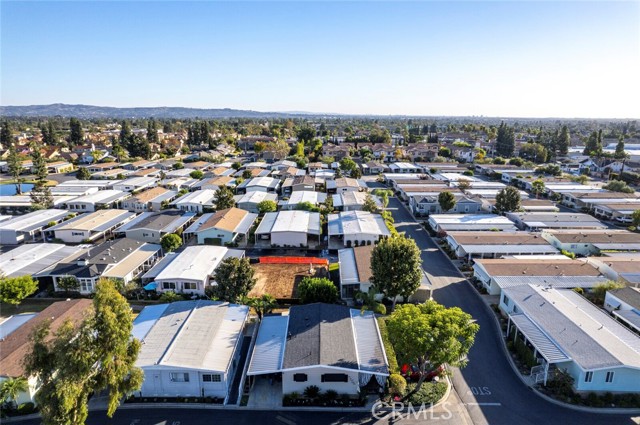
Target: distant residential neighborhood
[287, 263]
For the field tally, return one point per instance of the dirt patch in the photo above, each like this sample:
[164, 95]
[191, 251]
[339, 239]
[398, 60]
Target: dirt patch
[281, 280]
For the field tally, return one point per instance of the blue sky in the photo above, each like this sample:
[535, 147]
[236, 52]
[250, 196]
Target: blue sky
[544, 59]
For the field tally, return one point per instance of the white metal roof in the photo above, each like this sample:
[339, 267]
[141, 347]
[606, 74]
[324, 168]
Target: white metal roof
[146, 319]
[255, 197]
[190, 334]
[555, 281]
[14, 322]
[193, 263]
[590, 337]
[33, 220]
[201, 197]
[545, 345]
[357, 222]
[290, 221]
[299, 196]
[101, 196]
[348, 268]
[32, 258]
[270, 344]
[97, 221]
[371, 354]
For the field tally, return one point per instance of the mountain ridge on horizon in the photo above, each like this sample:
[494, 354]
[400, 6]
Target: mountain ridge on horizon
[176, 112]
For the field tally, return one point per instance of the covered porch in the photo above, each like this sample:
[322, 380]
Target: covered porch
[545, 349]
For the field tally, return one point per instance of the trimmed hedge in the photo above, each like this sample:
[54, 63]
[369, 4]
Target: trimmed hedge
[388, 347]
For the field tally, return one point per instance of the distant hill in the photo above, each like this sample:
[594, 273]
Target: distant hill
[89, 111]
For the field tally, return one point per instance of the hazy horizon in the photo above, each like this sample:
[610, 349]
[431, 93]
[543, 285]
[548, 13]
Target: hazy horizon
[565, 60]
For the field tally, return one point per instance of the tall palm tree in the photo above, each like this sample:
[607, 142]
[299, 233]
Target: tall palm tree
[11, 389]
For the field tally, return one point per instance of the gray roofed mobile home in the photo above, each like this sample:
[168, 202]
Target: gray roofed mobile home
[24, 227]
[588, 336]
[30, 259]
[320, 335]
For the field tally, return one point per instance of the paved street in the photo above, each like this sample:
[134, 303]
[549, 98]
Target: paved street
[492, 392]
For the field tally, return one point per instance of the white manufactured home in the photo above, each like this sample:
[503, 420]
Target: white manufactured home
[189, 348]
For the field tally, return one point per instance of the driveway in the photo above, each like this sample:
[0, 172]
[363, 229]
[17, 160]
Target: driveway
[488, 386]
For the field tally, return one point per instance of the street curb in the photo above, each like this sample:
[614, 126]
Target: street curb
[604, 410]
[585, 409]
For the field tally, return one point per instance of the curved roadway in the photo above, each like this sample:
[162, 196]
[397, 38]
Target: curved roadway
[488, 385]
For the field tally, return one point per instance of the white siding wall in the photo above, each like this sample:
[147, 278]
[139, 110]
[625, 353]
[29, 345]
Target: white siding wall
[72, 236]
[289, 238]
[157, 382]
[314, 378]
[360, 237]
[215, 233]
[144, 235]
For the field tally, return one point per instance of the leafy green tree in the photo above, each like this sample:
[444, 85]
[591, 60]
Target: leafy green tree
[152, 131]
[170, 242]
[430, 335]
[68, 284]
[446, 200]
[246, 174]
[125, 133]
[15, 289]
[234, 279]
[261, 305]
[396, 267]
[600, 291]
[533, 152]
[223, 198]
[635, 216]
[83, 173]
[306, 134]
[138, 147]
[169, 297]
[507, 200]
[369, 302]
[370, 204]
[196, 174]
[348, 165]
[620, 153]
[538, 187]
[76, 135]
[383, 195]
[593, 145]
[49, 135]
[41, 193]
[498, 160]
[78, 360]
[317, 290]
[516, 161]
[618, 186]
[6, 136]
[267, 206]
[14, 164]
[11, 389]
[563, 141]
[505, 142]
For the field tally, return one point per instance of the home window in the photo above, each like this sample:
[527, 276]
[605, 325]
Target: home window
[335, 377]
[300, 377]
[77, 233]
[209, 377]
[168, 285]
[588, 377]
[86, 285]
[190, 285]
[505, 300]
[179, 377]
[609, 378]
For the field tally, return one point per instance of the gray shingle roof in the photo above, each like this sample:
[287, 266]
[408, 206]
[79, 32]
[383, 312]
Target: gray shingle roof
[320, 334]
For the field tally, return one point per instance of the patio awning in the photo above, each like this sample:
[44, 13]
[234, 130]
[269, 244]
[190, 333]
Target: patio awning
[151, 286]
[268, 351]
[545, 346]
